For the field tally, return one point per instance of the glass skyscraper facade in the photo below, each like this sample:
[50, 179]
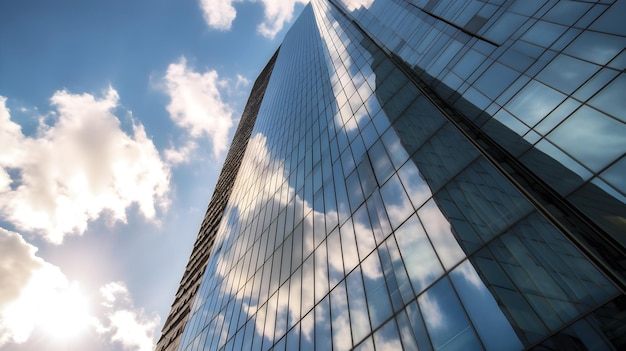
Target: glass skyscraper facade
[432, 175]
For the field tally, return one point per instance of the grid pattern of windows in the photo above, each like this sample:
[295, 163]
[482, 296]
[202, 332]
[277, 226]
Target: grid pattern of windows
[362, 219]
[553, 72]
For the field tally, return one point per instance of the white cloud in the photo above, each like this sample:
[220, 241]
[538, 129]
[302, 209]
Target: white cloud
[196, 104]
[17, 265]
[35, 293]
[17, 262]
[176, 156]
[220, 14]
[77, 168]
[126, 324]
[114, 291]
[133, 331]
[241, 81]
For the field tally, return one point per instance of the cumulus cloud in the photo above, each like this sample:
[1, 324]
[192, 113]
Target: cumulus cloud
[17, 262]
[220, 14]
[77, 168]
[176, 156]
[36, 295]
[112, 292]
[17, 266]
[197, 106]
[125, 323]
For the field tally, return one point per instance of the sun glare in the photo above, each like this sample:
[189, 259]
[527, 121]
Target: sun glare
[67, 314]
[51, 304]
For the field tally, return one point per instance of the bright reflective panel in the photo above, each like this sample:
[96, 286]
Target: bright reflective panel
[439, 232]
[418, 255]
[445, 319]
[492, 326]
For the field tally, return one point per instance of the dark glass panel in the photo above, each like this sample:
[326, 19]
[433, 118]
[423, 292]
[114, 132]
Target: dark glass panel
[417, 124]
[443, 156]
[596, 47]
[610, 99]
[566, 73]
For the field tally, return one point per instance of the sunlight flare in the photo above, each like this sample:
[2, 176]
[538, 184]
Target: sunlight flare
[67, 314]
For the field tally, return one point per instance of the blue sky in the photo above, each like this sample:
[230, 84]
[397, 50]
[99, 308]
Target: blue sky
[115, 118]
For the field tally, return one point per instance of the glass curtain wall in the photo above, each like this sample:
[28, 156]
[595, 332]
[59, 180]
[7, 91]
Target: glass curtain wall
[362, 218]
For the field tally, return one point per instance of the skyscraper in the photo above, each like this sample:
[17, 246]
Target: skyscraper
[422, 174]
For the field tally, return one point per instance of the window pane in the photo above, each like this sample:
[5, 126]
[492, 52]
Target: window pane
[420, 260]
[376, 290]
[419, 329]
[340, 318]
[591, 137]
[415, 185]
[439, 231]
[596, 47]
[566, 73]
[322, 326]
[534, 102]
[397, 203]
[611, 99]
[359, 318]
[445, 320]
[387, 338]
[492, 326]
